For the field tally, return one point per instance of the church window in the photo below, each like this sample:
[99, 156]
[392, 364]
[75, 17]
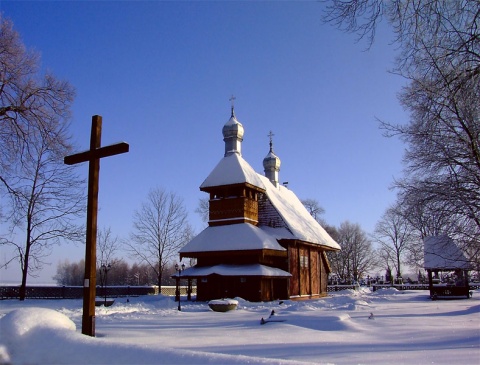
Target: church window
[304, 261]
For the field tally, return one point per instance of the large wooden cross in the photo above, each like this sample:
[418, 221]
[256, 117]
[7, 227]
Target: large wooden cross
[93, 156]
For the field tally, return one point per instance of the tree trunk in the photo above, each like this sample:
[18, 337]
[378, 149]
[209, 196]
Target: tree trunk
[23, 286]
[159, 282]
[399, 271]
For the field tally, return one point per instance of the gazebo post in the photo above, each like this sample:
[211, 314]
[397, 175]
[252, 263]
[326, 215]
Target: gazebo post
[467, 284]
[189, 290]
[430, 281]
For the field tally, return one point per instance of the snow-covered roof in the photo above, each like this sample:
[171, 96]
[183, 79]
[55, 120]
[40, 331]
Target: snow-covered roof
[442, 253]
[233, 237]
[235, 270]
[232, 169]
[297, 218]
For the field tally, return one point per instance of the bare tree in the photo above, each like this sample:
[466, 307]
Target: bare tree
[439, 53]
[70, 273]
[395, 236]
[161, 229]
[121, 273]
[356, 256]
[45, 202]
[29, 103]
[43, 195]
[203, 209]
[107, 246]
[314, 208]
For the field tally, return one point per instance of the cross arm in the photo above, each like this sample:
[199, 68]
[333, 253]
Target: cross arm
[110, 150]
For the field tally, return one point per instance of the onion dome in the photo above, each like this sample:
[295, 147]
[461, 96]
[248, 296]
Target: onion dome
[233, 135]
[271, 164]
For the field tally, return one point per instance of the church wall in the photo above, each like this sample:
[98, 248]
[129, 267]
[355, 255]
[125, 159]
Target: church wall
[210, 287]
[306, 264]
[247, 287]
[280, 288]
[233, 203]
[274, 289]
[294, 269]
[308, 269]
[280, 261]
[305, 278]
[314, 272]
[323, 273]
[240, 208]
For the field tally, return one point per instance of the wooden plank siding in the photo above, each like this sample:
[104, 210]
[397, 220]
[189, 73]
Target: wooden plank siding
[314, 273]
[251, 288]
[309, 270]
[294, 269]
[305, 274]
[238, 209]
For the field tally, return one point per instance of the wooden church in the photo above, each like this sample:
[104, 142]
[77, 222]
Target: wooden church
[261, 243]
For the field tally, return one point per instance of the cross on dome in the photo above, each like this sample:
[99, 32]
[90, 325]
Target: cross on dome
[232, 100]
[271, 140]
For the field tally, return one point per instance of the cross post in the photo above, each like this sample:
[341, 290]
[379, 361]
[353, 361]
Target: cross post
[93, 156]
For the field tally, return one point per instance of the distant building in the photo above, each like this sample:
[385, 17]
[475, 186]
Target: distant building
[261, 243]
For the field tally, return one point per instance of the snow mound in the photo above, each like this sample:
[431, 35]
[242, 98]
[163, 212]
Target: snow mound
[324, 323]
[19, 322]
[387, 291]
[358, 304]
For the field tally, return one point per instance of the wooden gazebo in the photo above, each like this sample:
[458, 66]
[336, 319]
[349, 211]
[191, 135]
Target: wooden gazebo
[441, 254]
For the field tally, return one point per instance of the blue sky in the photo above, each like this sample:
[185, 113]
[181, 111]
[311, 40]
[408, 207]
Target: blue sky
[161, 75]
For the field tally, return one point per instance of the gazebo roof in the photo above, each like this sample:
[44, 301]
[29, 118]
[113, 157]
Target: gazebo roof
[441, 253]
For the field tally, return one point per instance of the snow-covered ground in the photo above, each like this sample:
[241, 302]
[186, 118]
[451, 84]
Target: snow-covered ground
[406, 328]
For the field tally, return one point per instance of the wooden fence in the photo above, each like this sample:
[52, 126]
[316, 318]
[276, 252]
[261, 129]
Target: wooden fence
[76, 292]
[375, 287]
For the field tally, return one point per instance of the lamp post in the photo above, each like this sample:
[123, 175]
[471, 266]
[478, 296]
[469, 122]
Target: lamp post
[179, 269]
[105, 269]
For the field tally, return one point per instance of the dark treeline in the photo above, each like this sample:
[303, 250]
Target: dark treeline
[120, 272]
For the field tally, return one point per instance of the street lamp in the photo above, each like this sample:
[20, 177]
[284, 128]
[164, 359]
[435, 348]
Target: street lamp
[179, 269]
[105, 269]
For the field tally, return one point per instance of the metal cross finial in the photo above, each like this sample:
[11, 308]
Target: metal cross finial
[232, 100]
[271, 140]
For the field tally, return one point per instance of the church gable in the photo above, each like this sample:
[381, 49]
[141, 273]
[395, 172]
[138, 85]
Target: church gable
[284, 209]
[268, 215]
